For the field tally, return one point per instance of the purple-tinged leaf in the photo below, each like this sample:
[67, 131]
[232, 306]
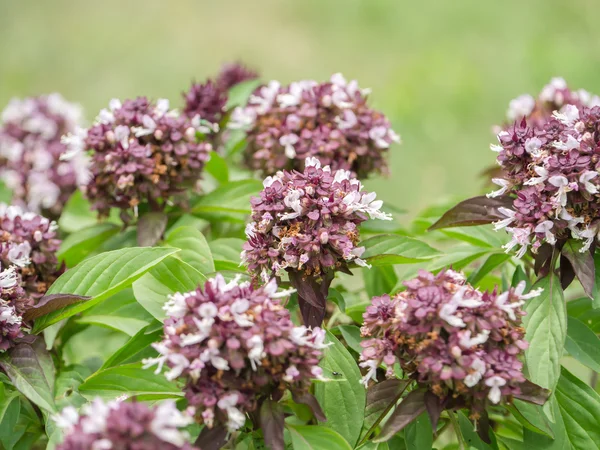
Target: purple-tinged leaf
[474, 211]
[583, 265]
[272, 424]
[532, 393]
[50, 303]
[567, 273]
[150, 228]
[212, 438]
[310, 401]
[543, 259]
[483, 427]
[408, 410]
[434, 406]
[312, 296]
[31, 370]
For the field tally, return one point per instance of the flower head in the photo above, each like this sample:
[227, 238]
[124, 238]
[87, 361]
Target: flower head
[235, 346]
[461, 344]
[143, 152]
[207, 100]
[330, 121]
[308, 222]
[28, 242]
[30, 150]
[124, 425]
[550, 169]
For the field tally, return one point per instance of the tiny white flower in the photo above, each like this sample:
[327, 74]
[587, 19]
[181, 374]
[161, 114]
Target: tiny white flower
[510, 218]
[474, 377]
[585, 178]
[520, 107]
[371, 373]
[543, 176]
[495, 383]
[545, 227]
[288, 141]
[504, 184]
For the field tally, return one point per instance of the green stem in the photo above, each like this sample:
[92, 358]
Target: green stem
[461, 440]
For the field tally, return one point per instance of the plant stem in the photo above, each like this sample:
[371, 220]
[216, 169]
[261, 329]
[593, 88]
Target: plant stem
[461, 440]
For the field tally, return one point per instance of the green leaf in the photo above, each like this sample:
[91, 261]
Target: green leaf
[418, 434]
[583, 309]
[194, 248]
[579, 407]
[131, 380]
[230, 200]
[311, 437]
[136, 348]
[227, 249]
[596, 290]
[67, 384]
[342, 401]
[531, 417]
[380, 280]
[77, 214]
[351, 334]
[10, 409]
[77, 246]
[336, 297]
[217, 167]
[493, 261]
[583, 344]
[100, 277]
[546, 331]
[31, 370]
[481, 236]
[170, 276]
[239, 94]
[120, 312]
[388, 249]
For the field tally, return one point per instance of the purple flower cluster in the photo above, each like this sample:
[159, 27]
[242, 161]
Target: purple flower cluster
[456, 341]
[143, 153]
[29, 242]
[30, 149]
[235, 346]
[11, 295]
[308, 222]
[207, 100]
[124, 425]
[551, 171]
[554, 96]
[331, 121]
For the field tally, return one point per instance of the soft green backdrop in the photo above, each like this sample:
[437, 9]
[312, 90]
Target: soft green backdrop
[442, 70]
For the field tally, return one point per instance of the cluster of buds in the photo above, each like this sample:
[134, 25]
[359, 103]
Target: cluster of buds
[551, 172]
[207, 100]
[29, 243]
[143, 153]
[331, 121]
[460, 344]
[236, 346]
[124, 425]
[30, 150]
[11, 295]
[308, 222]
[553, 97]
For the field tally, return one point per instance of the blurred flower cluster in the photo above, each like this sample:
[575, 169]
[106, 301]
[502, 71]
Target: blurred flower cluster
[330, 121]
[29, 243]
[207, 100]
[143, 153]
[553, 97]
[30, 149]
[124, 425]
[235, 346]
[308, 222]
[459, 343]
[552, 171]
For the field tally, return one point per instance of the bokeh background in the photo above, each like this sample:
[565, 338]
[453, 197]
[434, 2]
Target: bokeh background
[443, 71]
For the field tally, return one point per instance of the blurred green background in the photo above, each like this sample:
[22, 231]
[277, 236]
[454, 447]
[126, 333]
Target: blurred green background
[443, 71]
